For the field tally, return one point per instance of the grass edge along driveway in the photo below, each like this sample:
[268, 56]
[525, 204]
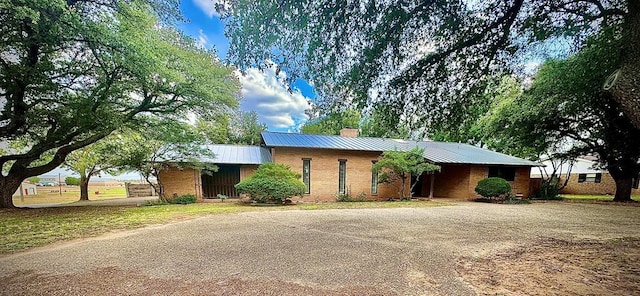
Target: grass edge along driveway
[21, 229]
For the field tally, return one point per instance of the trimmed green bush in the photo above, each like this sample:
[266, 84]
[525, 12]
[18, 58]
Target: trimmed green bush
[493, 187]
[272, 183]
[184, 199]
[73, 181]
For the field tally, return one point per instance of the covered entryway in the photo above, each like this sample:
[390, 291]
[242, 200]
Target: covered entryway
[221, 182]
[235, 163]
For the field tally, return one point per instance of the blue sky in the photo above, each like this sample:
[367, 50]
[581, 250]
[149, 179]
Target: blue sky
[262, 91]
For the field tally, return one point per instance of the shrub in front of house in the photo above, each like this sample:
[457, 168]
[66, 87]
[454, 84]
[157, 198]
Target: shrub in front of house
[493, 188]
[184, 199]
[272, 182]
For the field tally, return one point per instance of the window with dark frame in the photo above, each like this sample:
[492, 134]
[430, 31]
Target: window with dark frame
[582, 178]
[374, 178]
[306, 174]
[590, 178]
[342, 175]
[507, 173]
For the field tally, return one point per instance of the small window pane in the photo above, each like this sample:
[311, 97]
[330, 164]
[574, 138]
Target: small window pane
[306, 174]
[582, 178]
[374, 180]
[342, 176]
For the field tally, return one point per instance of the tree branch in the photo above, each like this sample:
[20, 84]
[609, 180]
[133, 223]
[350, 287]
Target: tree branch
[415, 71]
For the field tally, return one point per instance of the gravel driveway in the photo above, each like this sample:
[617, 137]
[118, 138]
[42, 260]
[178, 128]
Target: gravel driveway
[400, 251]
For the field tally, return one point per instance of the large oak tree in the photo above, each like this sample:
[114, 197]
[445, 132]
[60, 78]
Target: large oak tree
[424, 62]
[567, 108]
[71, 72]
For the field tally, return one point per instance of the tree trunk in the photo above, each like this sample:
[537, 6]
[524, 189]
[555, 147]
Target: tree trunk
[623, 190]
[84, 187]
[8, 186]
[412, 185]
[626, 88]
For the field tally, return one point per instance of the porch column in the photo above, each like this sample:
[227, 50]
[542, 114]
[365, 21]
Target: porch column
[432, 177]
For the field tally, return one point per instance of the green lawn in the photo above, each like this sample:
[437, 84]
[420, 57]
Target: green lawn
[581, 197]
[26, 228]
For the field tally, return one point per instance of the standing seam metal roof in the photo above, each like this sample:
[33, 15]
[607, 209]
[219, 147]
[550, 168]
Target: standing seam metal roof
[437, 152]
[237, 154]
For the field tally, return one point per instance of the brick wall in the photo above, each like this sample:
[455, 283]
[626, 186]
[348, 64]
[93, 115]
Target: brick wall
[451, 181]
[324, 172]
[519, 186]
[180, 181]
[606, 186]
[247, 170]
[459, 181]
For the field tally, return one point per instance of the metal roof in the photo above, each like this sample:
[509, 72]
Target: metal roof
[236, 154]
[437, 152]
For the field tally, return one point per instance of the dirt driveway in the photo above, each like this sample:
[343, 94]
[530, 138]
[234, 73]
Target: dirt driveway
[465, 249]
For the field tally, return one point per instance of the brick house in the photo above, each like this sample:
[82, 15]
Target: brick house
[586, 178]
[332, 165]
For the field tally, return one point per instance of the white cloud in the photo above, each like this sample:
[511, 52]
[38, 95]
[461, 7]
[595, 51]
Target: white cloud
[203, 40]
[209, 6]
[267, 94]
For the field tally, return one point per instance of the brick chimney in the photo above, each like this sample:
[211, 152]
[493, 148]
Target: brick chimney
[349, 132]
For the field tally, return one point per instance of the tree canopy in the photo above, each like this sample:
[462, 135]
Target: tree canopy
[566, 109]
[71, 72]
[106, 156]
[160, 144]
[399, 166]
[426, 64]
[232, 127]
[331, 123]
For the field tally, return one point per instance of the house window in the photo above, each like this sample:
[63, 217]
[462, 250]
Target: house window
[342, 175]
[590, 178]
[306, 174]
[374, 179]
[507, 173]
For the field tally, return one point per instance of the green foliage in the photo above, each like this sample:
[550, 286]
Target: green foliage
[34, 180]
[567, 113]
[346, 197]
[125, 69]
[427, 65]
[233, 127]
[398, 166]
[73, 181]
[184, 199]
[272, 182]
[549, 190]
[331, 123]
[377, 124]
[493, 187]
[162, 144]
[103, 156]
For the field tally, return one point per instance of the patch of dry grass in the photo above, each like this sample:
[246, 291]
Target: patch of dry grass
[558, 267]
[69, 194]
